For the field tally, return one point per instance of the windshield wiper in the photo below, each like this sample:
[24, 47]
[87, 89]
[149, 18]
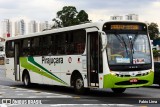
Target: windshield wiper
[121, 39]
[131, 42]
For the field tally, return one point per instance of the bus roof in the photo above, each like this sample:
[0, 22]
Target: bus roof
[98, 24]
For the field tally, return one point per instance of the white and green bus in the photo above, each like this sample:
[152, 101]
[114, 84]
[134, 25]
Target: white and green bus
[112, 54]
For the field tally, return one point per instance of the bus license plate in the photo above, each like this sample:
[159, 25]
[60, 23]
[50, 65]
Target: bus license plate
[133, 80]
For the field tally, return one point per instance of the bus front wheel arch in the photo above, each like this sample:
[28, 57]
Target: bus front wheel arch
[79, 85]
[77, 82]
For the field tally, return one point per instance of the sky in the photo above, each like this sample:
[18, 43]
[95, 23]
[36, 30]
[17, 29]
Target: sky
[45, 10]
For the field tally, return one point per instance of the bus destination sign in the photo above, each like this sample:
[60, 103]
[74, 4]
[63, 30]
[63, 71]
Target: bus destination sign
[124, 27]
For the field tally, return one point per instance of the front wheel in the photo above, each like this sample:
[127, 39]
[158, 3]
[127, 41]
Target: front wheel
[118, 90]
[79, 85]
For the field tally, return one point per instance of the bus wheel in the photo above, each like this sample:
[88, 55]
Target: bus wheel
[26, 80]
[118, 90]
[79, 85]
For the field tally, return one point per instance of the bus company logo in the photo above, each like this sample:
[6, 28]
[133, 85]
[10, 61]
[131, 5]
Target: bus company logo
[133, 74]
[49, 60]
[6, 101]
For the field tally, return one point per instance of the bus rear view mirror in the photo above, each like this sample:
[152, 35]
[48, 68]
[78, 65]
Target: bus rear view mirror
[104, 39]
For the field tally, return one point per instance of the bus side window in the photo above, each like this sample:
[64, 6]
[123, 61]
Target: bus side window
[69, 47]
[44, 48]
[80, 48]
[60, 44]
[26, 47]
[53, 45]
[79, 39]
[35, 46]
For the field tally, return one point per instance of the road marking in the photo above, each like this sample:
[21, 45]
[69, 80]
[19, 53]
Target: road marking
[13, 87]
[37, 92]
[46, 93]
[32, 97]
[19, 94]
[16, 92]
[77, 97]
[3, 105]
[21, 89]
[59, 96]
[96, 105]
[31, 91]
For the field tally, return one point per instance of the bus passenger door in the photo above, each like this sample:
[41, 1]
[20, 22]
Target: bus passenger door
[16, 62]
[93, 59]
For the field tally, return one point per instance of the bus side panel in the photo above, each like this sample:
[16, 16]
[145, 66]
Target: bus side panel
[25, 63]
[70, 63]
[9, 65]
[42, 70]
[51, 70]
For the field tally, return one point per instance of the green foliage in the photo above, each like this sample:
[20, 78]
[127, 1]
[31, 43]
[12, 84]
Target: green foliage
[153, 30]
[156, 53]
[69, 16]
[82, 16]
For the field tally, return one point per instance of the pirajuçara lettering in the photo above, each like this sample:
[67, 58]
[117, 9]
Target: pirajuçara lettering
[49, 60]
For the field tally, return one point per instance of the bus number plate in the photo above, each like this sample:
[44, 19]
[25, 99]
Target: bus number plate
[133, 80]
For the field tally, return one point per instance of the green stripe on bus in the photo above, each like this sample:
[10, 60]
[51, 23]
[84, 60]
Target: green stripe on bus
[36, 68]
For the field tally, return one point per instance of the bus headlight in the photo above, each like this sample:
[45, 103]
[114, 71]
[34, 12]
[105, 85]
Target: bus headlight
[112, 73]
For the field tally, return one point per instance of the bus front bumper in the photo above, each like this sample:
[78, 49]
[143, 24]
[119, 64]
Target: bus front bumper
[113, 81]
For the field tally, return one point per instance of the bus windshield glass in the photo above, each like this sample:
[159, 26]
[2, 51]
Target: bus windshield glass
[124, 49]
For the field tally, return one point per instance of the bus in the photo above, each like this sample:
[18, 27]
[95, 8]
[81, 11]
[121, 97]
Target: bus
[105, 54]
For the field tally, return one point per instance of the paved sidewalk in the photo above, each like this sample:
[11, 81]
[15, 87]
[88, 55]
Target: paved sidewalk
[2, 66]
[3, 79]
[2, 71]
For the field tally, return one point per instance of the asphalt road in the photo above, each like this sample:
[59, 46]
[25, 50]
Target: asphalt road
[65, 97]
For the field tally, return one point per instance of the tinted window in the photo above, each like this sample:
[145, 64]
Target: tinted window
[26, 44]
[65, 43]
[35, 48]
[76, 42]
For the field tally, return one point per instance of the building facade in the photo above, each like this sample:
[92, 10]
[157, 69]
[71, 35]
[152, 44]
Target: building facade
[32, 26]
[133, 17]
[6, 26]
[116, 17]
[20, 27]
[44, 26]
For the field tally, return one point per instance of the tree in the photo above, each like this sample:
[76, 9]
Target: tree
[153, 30]
[82, 17]
[69, 16]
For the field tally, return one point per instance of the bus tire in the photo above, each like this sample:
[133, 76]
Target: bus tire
[118, 90]
[26, 80]
[79, 85]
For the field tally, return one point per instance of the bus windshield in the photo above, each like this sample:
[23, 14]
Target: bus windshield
[127, 49]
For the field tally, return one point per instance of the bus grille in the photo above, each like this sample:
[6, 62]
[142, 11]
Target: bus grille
[129, 83]
[143, 74]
